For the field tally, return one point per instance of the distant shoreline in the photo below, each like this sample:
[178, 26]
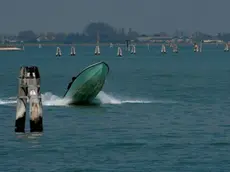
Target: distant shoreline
[90, 44]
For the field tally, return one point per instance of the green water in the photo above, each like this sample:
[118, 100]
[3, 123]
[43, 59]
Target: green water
[157, 113]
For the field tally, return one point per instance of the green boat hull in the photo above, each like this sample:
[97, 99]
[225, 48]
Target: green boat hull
[87, 84]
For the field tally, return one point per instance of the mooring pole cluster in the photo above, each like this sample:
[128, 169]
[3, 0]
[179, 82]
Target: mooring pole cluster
[29, 91]
[127, 45]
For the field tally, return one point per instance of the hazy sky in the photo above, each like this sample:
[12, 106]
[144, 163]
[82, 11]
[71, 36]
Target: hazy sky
[145, 16]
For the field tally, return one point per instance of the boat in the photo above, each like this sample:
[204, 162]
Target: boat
[87, 84]
[119, 52]
[111, 45]
[58, 52]
[163, 49]
[72, 51]
[5, 48]
[133, 50]
[39, 46]
[226, 49]
[8, 47]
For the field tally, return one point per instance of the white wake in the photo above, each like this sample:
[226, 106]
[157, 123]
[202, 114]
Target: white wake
[104, 98]
[49, 99]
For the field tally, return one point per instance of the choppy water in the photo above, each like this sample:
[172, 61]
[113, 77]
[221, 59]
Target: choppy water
[157, 113]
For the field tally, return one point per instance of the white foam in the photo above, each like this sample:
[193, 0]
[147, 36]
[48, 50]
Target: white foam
[3, 102]
[49, 99]
[136, 101]
[105, 98]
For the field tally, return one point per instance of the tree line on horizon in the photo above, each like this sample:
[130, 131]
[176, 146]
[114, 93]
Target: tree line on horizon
[106, 33]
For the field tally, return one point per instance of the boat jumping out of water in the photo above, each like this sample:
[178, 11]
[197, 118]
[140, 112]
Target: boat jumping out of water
[87, 84]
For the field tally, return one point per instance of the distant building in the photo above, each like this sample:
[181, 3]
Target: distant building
[156, 38]
[213, 41]
[45, 38]
[144, 38]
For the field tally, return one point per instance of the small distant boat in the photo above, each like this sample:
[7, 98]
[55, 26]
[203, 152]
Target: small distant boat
[39, 46]
[111, 45]
[58, 52]
[119, 52]
[226, 49]
[175, 48]
[163, 49]
[133, 50]
[72, 51]
[87, 84]
[10, 49]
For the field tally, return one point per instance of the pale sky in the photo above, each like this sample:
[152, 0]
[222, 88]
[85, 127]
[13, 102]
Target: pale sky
[144, 16]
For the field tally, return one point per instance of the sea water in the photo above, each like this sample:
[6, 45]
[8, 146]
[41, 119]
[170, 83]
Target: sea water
[155, 113]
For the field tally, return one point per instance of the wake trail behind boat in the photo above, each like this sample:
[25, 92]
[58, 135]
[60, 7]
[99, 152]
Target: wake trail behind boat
[105, 98]
[49, 99]
[7, 101]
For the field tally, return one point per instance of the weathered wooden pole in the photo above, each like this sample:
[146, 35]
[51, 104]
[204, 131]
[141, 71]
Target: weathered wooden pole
[29, 90]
